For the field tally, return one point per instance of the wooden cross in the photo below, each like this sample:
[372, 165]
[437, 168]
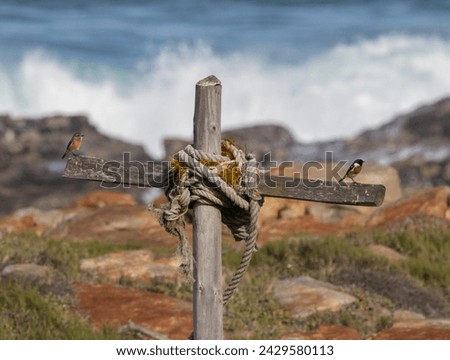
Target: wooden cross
[207, 288]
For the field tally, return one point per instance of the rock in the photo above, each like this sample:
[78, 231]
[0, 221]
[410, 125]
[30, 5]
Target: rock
[110, 216]
[419, 171]
[424, 203]
[46, 279]
[116, 223]
[275, 208]
[259, 140]
[415, 333]
[401, 316]
[404, 318]
[350, 216]
[102, 198]
[303, 296]
[409, 325]
[386, 252]
[173, 145]
[412, 326]
[136, 265]
[28, 272]
[324, 332]
[385, 175]
[280, 228]
[263, 139]
[416, 144]
[107, 215]
[108, 305]
[32, 219]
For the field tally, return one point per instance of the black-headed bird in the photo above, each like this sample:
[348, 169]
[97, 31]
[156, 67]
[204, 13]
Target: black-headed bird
[353, 170]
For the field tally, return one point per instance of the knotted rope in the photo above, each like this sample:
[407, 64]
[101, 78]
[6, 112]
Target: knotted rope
[227, 182]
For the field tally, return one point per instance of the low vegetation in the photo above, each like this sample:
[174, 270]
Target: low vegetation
[379, 285]
[28, 311]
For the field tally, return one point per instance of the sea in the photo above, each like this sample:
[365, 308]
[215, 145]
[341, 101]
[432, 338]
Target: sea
[324, 69]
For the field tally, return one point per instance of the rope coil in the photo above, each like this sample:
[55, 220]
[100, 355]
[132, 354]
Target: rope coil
[228, 182]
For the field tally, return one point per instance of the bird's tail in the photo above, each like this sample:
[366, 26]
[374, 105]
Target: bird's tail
[341, 179]
[64, 155]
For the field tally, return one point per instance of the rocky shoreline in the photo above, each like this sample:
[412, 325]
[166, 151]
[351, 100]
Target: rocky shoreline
[325, 298]
[415, 144]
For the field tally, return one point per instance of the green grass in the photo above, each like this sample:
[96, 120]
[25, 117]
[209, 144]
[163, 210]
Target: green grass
[253, 313]
[427, 252]
[317, 257]
[63, 255]
[27, 314]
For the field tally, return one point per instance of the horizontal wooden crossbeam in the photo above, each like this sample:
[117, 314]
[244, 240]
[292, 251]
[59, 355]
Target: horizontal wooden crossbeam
[157, 174]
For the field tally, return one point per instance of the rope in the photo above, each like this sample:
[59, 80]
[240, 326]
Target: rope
[227, 182]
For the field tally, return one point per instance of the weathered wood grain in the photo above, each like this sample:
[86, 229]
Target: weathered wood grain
[121, 173]
[320, 191]
[157, 174]
[207, 220]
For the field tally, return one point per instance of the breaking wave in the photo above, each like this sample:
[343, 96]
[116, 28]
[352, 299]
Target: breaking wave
[338, 93]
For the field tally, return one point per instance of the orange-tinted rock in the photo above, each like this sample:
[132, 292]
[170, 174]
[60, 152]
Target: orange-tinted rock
[137, 264]
[385, 175]
[98, 199]
[424, 203]
[414, 333]
[32, 219]
[342, 214]
[276, 209]
[20, 224]
[278, 229]
[115, 306]
[159, 201]
[320, 218]
[121, 223]
[413, 326]
[324, 332]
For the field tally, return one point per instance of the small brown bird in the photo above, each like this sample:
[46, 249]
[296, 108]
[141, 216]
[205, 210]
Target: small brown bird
[353, 170]
[74, 144]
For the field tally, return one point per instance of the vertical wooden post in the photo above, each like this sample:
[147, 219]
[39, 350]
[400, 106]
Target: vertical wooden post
[207, 289]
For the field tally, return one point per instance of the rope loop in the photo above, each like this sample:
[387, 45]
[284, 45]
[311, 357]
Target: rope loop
[228, 182]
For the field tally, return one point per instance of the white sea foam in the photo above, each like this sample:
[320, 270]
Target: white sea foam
[339, 93]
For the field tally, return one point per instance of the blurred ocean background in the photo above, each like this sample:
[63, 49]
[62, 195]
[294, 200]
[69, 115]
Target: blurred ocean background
[322, 68]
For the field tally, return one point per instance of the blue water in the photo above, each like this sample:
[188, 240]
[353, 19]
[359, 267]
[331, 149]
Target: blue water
[322, 68]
